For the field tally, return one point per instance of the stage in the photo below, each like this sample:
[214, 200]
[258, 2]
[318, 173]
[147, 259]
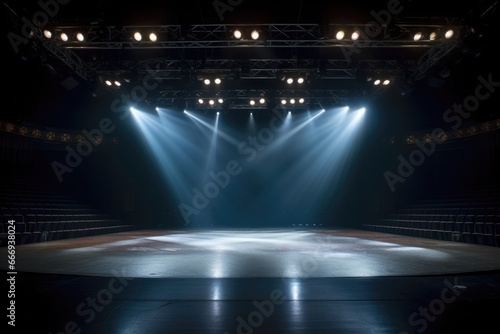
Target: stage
[255, 281]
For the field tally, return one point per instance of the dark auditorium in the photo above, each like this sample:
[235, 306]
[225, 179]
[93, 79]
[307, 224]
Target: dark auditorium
[250, 167]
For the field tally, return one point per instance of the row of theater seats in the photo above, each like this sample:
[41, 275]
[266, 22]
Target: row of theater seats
[46, 222]
[449, 220]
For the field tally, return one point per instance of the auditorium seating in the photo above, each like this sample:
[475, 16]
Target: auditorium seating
[469, 217]
[42, 215]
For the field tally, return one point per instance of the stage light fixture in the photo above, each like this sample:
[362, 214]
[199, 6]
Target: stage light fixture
[340, 35]
[449, 34]
[386, 82]
[417, 36]
[433, 36]
[64, 37]
[252, 102]
[262, 101]
[211, 102]
[200, 101]
[300, 80]
[221, 101]
[292, 101]
[118, 83]
[153, 37]
[237, 34]
[355, 35]
[108, 83]
[301, 101]
[218, 81]
[289, 81]
[47, 33]
[283, 102]
[255, 35]
[207, 81]
[377, 82]
[80, 37]
[138, 36]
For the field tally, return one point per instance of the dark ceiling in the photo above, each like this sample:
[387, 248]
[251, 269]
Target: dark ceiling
[46, 91]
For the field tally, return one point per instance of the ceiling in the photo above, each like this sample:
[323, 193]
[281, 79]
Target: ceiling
[62, 85]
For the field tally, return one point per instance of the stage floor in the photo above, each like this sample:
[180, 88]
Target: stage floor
[255, 281]
[262, 253]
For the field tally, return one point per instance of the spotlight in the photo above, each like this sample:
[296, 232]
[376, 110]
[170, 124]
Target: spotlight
[262, 101]
[47, 33]
[449, 34]
[200, 101]
[300, 80]
[386, 82]
[433, 36]
[252, 102]
[211, 102]
[340, 35]
[64, 37]
[108, 83]
[218, 81]
[153, 37]
[255, 35]
[221, 101]
[218, 113]
[301, 101]
[80, 37]
[289, 81]
[292, 101]
[118, 83]
[417, 36]
[207, 82]
[355, 36]
[376, 82]
[237, 34]
[138, 36]
[283, 102]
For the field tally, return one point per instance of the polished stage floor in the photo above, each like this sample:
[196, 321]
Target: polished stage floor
[255, 281]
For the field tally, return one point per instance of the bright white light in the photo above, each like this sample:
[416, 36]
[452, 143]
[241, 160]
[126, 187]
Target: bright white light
[362, 110]
[449, 34]
[355, 36]
[433, 36]
[207, 82]
[376, 82]
[301, 101]
[80, 37]
[218, 81]
[252, 102]
[292, 101]
[283, 102]
[221, 101]
[47, 33]
[153, 37]
[289, 81]
[109, 83]
[237, 34]
[137, 36]
[255, 35]
[386, 82]
[340, 35]
[118, 83]
[200, 101]
[300, 80]
[262, 101]
[218, 113]
[211, 102]
[417, 36]
[64, 37]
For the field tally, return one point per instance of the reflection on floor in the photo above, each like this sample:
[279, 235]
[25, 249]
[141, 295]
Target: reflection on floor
[255, 281]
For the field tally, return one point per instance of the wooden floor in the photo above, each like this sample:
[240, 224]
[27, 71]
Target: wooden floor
[255, 281]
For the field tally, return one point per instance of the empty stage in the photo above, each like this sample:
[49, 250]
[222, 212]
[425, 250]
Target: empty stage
[255, 281]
